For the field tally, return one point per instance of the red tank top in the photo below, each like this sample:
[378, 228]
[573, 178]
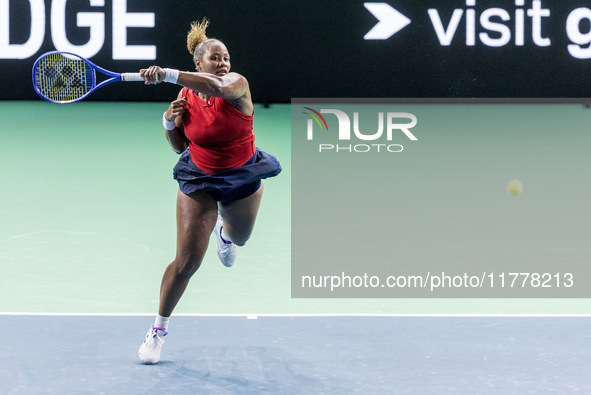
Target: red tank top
[220, 136]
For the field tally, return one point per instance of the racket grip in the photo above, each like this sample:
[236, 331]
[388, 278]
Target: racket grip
[131, 77]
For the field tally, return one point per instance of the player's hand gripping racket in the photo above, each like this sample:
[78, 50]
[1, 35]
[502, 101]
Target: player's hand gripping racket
[63, 77]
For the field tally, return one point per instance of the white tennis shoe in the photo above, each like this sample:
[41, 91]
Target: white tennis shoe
[149, 351]
[226, 251]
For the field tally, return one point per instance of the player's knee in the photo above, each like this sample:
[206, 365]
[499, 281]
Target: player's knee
[186, 266]
[240, 240]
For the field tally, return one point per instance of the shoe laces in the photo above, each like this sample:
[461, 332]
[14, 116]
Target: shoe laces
[155, 331]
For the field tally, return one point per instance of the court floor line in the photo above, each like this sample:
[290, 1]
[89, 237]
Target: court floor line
[254, 315]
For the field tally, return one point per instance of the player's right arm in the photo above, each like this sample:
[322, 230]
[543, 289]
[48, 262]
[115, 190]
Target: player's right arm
[176, 137]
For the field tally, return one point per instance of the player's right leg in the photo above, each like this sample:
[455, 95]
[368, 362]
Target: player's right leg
[196, 218]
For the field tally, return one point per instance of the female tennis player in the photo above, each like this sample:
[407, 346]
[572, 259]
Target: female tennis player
[219, 171]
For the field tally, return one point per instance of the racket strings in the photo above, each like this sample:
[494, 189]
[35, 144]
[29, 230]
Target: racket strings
[62, 78]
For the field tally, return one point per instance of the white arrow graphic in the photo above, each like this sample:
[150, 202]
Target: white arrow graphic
[390, 21]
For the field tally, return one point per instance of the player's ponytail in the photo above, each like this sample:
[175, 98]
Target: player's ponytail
[196, 38]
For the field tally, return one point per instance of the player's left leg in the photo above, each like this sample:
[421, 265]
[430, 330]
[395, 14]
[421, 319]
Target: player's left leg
[239, 217]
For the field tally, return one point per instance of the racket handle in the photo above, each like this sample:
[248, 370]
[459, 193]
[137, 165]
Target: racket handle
[131, 77]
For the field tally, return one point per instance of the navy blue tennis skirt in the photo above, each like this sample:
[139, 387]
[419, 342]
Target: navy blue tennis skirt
[226, 185]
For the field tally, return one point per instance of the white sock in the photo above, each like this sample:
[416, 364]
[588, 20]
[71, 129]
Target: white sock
[161, 322]
[225, 237]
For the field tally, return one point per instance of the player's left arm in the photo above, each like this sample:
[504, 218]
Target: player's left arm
[231, 86]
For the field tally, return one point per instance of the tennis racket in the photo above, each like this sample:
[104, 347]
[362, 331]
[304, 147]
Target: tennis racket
[63, 77]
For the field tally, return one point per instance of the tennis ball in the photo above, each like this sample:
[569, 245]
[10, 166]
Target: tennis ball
[514, 187]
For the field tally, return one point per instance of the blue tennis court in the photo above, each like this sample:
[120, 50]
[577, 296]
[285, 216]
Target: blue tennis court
[299, 355]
